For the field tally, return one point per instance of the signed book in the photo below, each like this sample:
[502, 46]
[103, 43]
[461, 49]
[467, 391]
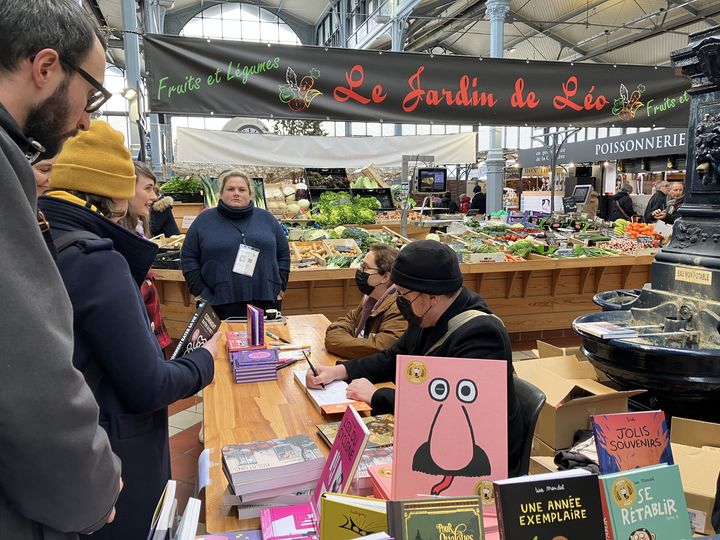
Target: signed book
[547, 506]
[451, 422]
[630, 440]
[202, 327]
[331, 399]
[647, 503]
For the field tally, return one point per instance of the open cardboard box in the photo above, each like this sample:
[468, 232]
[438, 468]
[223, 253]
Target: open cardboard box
[573, 395]
[542, 465]
[696, 449]
[547, 350]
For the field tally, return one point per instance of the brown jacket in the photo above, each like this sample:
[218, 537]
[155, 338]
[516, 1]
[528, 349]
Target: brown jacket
[383, 328]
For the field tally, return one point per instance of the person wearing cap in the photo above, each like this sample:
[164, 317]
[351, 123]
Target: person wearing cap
[103, 265]
[430, 295]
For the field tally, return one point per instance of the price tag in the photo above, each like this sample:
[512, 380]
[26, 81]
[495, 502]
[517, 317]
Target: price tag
[245, 260]
[187, 221]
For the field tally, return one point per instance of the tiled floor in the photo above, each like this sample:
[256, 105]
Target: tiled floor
[186, 419]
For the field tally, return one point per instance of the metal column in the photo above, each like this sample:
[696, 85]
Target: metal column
[131, 41]
[155, 23]
[496, 12]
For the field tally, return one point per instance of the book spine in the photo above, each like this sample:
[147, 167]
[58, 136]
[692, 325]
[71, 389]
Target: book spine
[607, 518]
[186, 336]
[500, 520]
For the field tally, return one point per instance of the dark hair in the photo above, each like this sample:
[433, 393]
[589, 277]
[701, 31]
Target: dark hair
[104, 205]
[384, 256]
[28, 26]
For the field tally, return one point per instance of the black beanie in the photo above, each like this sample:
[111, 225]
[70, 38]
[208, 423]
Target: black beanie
[427, 266]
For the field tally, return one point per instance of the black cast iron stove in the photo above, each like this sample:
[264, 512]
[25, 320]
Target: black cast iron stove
[677, 354]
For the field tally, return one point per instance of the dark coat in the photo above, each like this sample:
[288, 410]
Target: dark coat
[479, 202]
[481, 337]
[162, 220]
[120, 357]
[716, 508]
[211, 245]
[58, 475]
[656, 202]
[618, 201]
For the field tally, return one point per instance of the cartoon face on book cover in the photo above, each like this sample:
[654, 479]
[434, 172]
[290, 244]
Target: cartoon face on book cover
[630, 440]
[450, 426]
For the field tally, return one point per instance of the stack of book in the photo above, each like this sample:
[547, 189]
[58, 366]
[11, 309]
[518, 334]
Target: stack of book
[363, 485]
[254, 365]
[381, 480]
[267, 473]
[606, 330]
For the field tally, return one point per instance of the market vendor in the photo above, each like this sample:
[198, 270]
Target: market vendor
[444, 319]
[376, 323]
[236, 254]
[674, 201]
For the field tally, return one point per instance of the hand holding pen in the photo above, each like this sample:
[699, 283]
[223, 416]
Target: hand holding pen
[312, 368]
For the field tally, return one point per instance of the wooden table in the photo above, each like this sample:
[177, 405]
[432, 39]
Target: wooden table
[235, 413]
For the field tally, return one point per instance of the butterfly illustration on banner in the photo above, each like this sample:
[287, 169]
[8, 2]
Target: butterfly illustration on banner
[626, 105]
[299, 96]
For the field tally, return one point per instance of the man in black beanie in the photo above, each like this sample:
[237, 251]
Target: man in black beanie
[445, 319]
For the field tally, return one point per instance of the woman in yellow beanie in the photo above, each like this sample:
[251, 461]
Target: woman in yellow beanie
[102, 265]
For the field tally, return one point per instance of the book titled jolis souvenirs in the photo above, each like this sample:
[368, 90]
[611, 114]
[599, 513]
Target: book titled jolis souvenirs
[629, 440]
[550, 506]
[645, 504]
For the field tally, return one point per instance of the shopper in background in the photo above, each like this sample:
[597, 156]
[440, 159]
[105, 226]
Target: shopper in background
[58, 475]
[236, 254]
[376, 323]
[479, 200]
[447, 202]
[657, 201]
[621, 206]
[103, 266]
[675, 198]
[464, 204]
[41, 171]
[162, 220]
[430, 295]
[137, 220]
[591, 207]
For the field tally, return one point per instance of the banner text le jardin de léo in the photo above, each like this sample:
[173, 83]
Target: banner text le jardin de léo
[195, 76]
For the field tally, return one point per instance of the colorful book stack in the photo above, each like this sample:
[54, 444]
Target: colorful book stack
[345, 517]
[254, 365]
[381, 455]
[261, 471]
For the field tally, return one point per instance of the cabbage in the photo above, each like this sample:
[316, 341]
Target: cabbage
[432, 236]
[293, 209]
[304, 205]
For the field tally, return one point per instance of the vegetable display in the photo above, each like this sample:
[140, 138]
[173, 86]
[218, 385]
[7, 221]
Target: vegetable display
[187, 184]
[340, 208]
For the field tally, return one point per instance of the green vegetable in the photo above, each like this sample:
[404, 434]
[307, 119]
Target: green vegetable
[480, 247]
[188, 184]
[339, 261]
[211, 191]
[522, 248]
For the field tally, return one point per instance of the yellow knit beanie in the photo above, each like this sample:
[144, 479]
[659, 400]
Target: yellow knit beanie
[97, 162]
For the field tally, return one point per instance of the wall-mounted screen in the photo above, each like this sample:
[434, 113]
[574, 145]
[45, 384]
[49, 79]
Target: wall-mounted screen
[581, 194]
[432, 180]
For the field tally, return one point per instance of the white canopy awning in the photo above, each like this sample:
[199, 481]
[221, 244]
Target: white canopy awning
[226, 147]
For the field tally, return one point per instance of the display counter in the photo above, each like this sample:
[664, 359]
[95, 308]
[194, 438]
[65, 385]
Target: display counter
[533, 295]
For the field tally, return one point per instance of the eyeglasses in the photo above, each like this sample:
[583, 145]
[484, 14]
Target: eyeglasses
[101, 94]
[398, 294]
[363, 268]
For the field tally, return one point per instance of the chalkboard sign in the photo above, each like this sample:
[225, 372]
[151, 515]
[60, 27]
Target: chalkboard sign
[569, 204]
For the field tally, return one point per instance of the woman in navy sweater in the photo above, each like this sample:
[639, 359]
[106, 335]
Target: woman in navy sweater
[236, 254]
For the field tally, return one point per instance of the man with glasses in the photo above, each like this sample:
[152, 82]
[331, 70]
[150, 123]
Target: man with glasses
[58, 475]
[431, 296]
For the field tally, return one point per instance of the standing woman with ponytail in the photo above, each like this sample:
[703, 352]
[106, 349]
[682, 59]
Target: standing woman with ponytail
[236, 254]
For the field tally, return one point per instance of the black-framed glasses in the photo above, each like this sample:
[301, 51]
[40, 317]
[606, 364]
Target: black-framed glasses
[398, 294]
[101, 94]
[364, 268]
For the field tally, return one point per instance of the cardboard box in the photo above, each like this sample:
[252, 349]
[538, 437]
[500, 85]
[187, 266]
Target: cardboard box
[573, 395]
[542, 465]
[696, 449]
[539, 448]
[547, 350]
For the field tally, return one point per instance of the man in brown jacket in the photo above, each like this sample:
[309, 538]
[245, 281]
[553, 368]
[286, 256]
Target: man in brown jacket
[376, 323]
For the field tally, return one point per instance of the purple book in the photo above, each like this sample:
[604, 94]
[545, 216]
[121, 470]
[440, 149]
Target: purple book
[256, 325]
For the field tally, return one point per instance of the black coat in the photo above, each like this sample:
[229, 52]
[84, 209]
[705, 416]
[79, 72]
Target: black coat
[162, 220]
[656, 202]
[481, 337]
[120, 357]
[479, 203]
[620, 200]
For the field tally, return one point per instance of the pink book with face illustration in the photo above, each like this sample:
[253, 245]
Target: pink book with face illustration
[450, 427]
[343, 459]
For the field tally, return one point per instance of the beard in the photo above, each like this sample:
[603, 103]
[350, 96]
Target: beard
[47, 121]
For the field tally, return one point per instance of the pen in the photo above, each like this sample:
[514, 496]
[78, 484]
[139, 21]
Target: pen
[312, 368]
[276, 337]
[288, 363]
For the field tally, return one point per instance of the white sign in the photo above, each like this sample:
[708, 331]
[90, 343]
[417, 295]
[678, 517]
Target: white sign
[187, 221]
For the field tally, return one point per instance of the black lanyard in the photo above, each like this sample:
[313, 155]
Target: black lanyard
[239, 229]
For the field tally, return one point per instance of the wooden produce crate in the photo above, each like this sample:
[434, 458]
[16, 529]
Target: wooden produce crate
[342, 246]
[308, 255]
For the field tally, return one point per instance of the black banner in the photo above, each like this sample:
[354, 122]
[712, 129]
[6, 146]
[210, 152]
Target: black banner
[194, 76]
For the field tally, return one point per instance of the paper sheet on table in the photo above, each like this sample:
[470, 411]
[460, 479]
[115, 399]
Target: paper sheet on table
[334, 394]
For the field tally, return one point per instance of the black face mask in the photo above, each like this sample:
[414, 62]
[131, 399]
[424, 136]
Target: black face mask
[405, 308]
[361, 280]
